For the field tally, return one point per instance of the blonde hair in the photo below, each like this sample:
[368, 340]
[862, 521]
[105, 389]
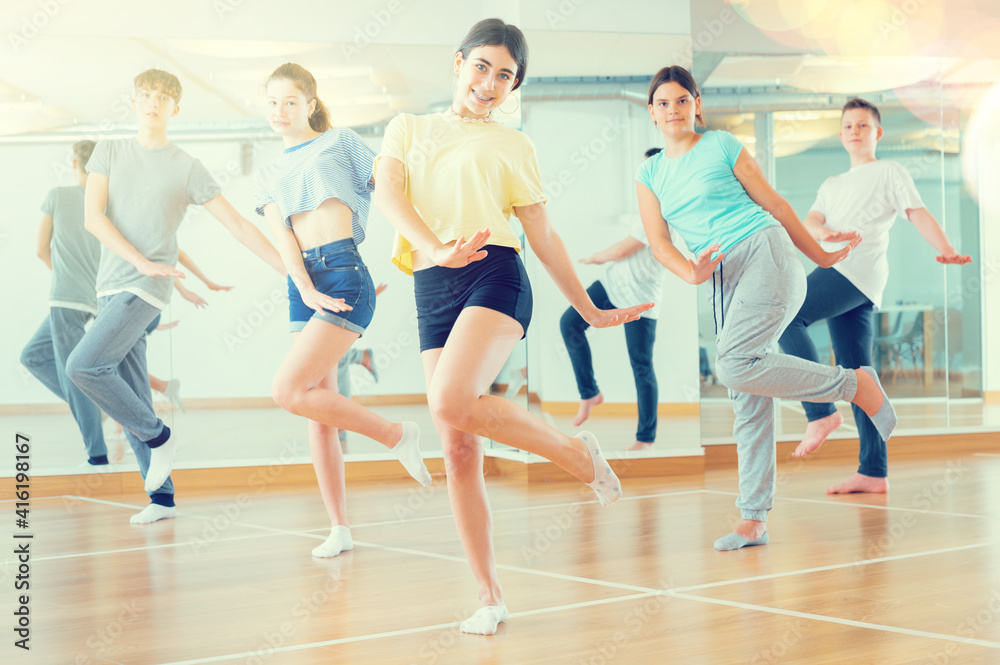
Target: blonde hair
[306, 83]
[157, 79]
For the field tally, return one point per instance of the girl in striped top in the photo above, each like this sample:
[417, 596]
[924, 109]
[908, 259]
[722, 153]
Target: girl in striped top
[315, 198]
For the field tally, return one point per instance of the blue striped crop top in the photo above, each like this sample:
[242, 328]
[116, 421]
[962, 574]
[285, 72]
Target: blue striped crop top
[335, 164]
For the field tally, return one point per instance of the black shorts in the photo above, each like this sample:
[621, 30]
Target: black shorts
[498, 282]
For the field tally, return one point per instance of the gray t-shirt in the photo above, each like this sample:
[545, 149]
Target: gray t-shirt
[148, 193]
[75, 252]
[636, 279]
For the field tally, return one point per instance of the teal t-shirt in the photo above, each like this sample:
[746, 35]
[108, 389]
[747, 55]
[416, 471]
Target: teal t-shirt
[700, 196]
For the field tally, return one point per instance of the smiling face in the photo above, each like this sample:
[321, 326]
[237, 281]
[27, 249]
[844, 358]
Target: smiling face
[287, 109]
[674, 110]
[154, 108]
[859, 132]
[485, 78]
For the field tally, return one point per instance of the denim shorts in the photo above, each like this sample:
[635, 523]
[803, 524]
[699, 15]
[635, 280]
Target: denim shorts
[498, 282]
[337, 270]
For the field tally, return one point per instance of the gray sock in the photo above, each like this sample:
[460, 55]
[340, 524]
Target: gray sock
[734, 541]
[885, 419]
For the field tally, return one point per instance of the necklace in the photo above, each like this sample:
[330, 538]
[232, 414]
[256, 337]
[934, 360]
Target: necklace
[487, 119]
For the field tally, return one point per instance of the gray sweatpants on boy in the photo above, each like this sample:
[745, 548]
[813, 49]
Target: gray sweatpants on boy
[758, 289]
[109, 366]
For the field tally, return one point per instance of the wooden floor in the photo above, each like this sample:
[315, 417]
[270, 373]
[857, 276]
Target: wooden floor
[909, 578]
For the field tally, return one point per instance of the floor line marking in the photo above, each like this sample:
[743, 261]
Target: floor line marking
[405, 631]
[837, 566]
[844, 622]
[860, 505]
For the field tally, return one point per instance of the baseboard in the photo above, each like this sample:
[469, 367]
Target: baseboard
[676, 409]
[918, 446]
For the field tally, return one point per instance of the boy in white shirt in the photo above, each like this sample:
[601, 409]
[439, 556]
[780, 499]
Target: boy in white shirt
[866, 199]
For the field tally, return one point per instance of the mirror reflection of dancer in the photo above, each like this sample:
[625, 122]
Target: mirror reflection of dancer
[138, 192]
[866, 200]
[715, 195]
[355, 356]
[72, 255]
[315, 198]
[440, 177]
[634, 276]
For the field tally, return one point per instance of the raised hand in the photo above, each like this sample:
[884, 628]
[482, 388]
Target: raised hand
[954, 259]
[463, 252]
[838, 236]
[193, 298]
[703, 267]
[833, 258]
[605, 318]
[151, 269]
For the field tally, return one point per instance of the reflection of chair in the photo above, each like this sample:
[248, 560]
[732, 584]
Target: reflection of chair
[704, 368]
[881, 342]
[899, 346]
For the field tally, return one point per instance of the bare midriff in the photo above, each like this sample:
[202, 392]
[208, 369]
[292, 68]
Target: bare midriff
[330, 222]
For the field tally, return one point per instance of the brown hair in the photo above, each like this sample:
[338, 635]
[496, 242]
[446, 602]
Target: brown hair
[82, 150]
[157, 79]
[306, 83]
[494, 32]
[858, 103]
[676, 74]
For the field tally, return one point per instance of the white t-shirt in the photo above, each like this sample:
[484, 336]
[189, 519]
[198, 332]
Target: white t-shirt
[636, 279]
[867, 199]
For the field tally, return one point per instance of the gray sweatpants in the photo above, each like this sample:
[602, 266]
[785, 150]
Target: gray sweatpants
[757, 291]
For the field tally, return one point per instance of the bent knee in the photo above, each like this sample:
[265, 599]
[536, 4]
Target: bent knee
[735, 372]
[285, 395]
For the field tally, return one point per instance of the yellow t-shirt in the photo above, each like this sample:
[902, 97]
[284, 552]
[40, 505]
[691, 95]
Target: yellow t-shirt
[461, 177]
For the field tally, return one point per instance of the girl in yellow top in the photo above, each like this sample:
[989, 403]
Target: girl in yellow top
[448, 183]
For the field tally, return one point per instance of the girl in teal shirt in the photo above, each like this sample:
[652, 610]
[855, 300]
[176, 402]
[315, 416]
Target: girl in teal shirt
[708, 188]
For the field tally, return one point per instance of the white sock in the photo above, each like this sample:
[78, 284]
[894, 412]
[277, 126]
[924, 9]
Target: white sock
[485, 620]
[161, 463]
[152, 513]
[338, 541]
[605, 483]
[408, 452]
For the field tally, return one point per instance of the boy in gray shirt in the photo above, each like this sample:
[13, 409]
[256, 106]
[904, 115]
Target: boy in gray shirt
[73, 255]
[137, 194]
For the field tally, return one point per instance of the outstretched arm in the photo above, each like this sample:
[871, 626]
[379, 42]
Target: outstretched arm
[244, 231]
[190, 296]
[658, 234]
[934, 235]
[97, 222]
[749, 174]
[188, 262]
[618, 251]
[391, 200]
[549, 248]
[45, 240]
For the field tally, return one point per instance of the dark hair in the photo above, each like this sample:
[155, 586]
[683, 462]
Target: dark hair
[653, 151]
[494, 32]
[306, 83]
[676, 74]
[82, 150]
[157, 79]
[858, 103]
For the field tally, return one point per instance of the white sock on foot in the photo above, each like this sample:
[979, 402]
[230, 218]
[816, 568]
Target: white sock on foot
[153, 513]
[408, 452]
[338, 541]
[161, 463]
[605, 482]
[485, 620]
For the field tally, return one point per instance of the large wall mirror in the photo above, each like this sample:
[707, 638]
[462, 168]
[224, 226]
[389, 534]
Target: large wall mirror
[584, 107]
